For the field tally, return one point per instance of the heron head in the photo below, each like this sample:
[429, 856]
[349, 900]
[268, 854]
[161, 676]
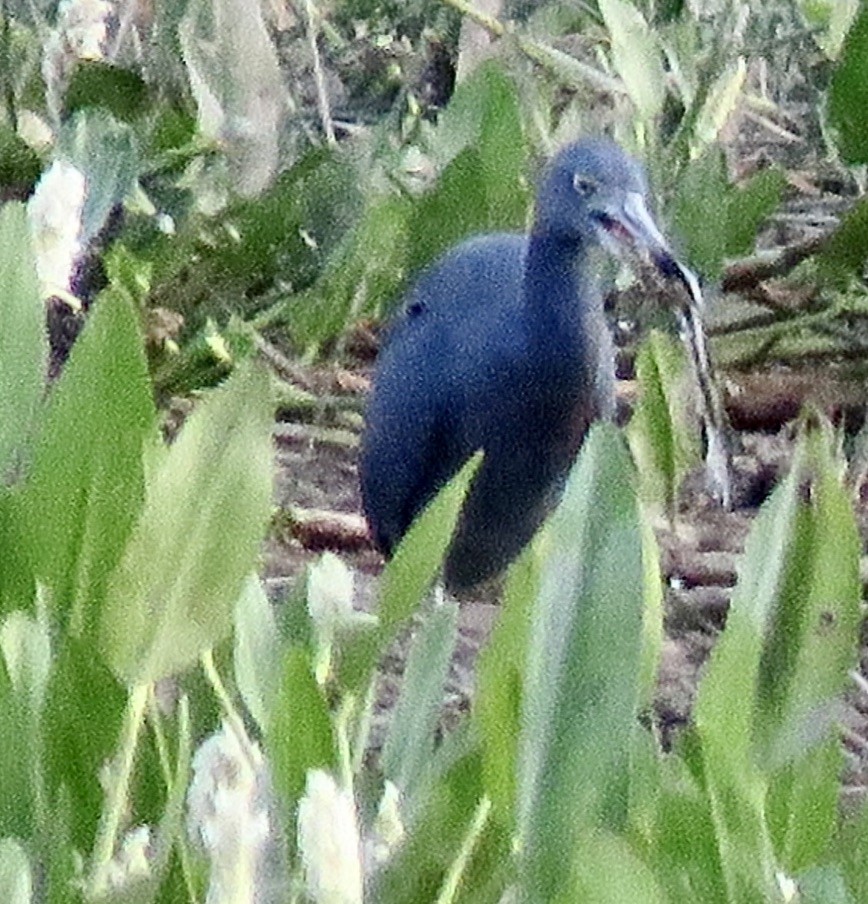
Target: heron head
[594, 192]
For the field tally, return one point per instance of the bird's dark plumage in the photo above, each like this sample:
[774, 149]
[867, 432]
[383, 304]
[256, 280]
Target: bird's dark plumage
[502, 346]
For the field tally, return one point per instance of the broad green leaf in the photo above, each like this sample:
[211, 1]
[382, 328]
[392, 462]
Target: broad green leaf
[846, 250]
[636, 56]
[683, 840]
[206, 507]
[604, 870]
[850, 850]
[848, 93]
[121, 92]
[811, 647]
[500, 674]
[410, 742]
[749, 206]
[699, 212]
[408, 576]
[83, 713]
[17, 792]
[455, 209]
[300, 735]
[717, 220]
[16, 881]
[86, 487]
[23, 341]
[107, 152]
[584, 663]
[662, 438]
[503, 152]
[257, 651]
[17, 581]
[726, 702]
[483, 187]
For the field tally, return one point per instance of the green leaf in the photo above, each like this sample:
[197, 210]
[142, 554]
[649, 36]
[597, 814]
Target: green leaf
[86, 488]
[119, 91]
[407, 577]
[84, 709]
[257, 651]
[726, 700]
[300, 734]
[107, 152]
[584, 664]
[700, 212]
[410, 742]
[23, 342]
[636, 56]
[811, 647]
[20, 165]
[16, 882]
[749, 206]
[483, 187]
[717, 220]
[652, 617]
[500, 674]
[848, 93]
[360, 276]
[662, 438]
[606, 871]
[206, 507]
[846, 250]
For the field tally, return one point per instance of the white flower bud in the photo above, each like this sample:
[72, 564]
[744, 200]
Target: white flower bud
[54, 212]
[328, 839]
[231, 816]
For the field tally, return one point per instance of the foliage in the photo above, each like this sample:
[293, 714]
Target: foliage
[128, 588]
[552, 791]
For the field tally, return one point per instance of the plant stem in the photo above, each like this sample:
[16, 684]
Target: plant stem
[452, 881]
[118, 791]
[233, 718]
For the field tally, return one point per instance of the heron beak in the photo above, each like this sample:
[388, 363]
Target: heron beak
[631, 223]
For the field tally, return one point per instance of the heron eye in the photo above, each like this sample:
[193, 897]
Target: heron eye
[584, 186]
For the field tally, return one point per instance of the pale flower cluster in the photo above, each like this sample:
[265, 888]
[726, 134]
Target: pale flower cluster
[328, 839]
[231, 817]
[54, 212]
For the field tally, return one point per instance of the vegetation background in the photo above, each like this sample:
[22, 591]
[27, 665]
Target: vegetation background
[213, 204]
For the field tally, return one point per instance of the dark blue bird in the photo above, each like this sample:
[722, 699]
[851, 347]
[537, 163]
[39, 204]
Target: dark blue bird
[502, 345]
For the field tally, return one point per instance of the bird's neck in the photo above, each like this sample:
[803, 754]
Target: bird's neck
[561, 288]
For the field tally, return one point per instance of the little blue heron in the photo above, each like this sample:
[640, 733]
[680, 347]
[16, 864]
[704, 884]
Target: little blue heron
[502, 345]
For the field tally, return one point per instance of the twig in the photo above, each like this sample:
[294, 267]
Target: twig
[746, 274]
[322, 97]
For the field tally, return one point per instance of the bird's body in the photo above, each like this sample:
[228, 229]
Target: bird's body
[501, 346]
